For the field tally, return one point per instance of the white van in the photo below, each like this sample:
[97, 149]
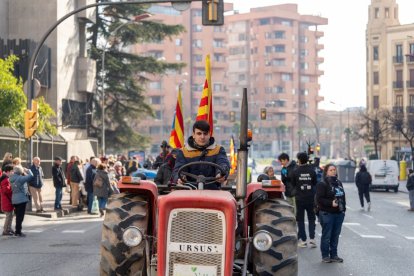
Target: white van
[385, 174]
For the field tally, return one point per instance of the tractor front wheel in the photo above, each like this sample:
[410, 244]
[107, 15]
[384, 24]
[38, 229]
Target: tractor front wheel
[123, 210]
[277, 217]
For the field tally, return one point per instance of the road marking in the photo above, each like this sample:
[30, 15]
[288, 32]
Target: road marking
[368, 216]
[38, 230]
[73, 231]
[409, 238]
[347, 207]
[351, 223]
[372, 236]
[387, 225]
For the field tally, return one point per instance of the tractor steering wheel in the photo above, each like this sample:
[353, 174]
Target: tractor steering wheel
[199, 178]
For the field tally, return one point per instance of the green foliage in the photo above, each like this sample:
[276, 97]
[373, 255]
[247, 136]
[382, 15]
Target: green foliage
[13, 101]
[12, 98]
[126, 74]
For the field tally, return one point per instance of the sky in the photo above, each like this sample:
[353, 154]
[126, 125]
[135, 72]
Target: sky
[344, 79]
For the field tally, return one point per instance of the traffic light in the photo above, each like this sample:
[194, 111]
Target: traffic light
[310, 150]
[31, 120]
[263, 113]
[318, 148]
[212, 12]
[232, 116]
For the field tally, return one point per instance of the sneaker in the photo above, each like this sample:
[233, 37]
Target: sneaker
[312, 243]
[362, 208]
[411, 209]
[302, 244]
[19, 235]
[7, 234]
[369, 206]
[336, 259]
[326, 260]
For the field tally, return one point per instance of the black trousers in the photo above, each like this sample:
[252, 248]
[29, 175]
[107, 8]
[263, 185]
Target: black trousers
[363, 191]
[301, 207]
[20, 210]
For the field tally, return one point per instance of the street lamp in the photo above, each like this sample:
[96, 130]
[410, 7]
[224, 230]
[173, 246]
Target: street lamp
[114, 32]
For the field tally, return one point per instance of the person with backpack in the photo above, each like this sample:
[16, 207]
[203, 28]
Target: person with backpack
[363, 180]
[102, 187]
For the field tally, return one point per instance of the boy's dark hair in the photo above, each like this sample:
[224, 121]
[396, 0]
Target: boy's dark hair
[8, 168]
[201, 125]
[410, 171]
[283, 156]
[303, 157]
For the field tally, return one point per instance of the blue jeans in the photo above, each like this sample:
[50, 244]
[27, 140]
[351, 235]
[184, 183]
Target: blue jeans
[90, 201]
[102, 202]
[331, 229]
[58, 198]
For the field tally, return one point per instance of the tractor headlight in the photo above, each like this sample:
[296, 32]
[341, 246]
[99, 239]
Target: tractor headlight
[262, 240]
[132, 236]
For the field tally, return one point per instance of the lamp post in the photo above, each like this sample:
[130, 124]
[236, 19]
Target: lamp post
[114, 32]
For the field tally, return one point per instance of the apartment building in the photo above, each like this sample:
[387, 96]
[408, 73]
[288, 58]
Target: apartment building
[390, 67]
[272, 51]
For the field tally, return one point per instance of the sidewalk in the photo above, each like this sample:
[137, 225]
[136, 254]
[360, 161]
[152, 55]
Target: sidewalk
[48, 195]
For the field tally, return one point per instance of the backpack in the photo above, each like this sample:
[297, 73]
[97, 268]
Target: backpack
[97, 181]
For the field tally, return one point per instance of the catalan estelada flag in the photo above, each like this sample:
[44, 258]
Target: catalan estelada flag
[233, 157]
[205, 109]
[177, 132]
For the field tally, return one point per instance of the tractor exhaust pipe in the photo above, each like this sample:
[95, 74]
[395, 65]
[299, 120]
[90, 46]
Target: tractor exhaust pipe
[241, 183]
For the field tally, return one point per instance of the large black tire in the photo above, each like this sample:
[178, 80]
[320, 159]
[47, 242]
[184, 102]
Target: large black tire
[276, 216]
[123, 210]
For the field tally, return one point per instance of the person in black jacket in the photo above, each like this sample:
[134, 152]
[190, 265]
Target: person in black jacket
[162, 157]
[363, 180]
[58, 181]
[331, 202]
[89, 177]
[288, 167]
[304, 182]
[410, 188]
[164, 173]
[75, 179]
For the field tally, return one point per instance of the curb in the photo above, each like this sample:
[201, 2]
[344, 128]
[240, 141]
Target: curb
[55, 213]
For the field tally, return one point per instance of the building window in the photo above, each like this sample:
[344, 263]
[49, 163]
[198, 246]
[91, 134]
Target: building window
[387, 12]
[242, 77]
[279, 34]
[303, 39]
[279, 48]
[376, 12]
[411, 100]
[376, 78]
[155, 85]
[304, 92]
[198, 58]
[178, 42]
[280, 103]
[375, 102]
[155, 100]
[242, 63]
[154, 130]
[197, 13]
[178, 57]
[286, 76]
[197, 28]
[197, 43]
[200, 72]
[268, 76]
[268, 90]
[304, 65]
[278, 62]
[218, 43]
[375, 52]
[242, 37]
[280, 116]
[280, 89]
[399, 53]
[304, 79]
[304, 105]
[303, 52]
[398, 100]
[264, 21]
[218, 87]
[287, 23]
[218, 57]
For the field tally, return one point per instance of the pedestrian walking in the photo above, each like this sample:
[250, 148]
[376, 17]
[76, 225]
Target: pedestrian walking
[288, 167]
[36, 184]
[102, 187]
[410, 188]
[20, 195]
[304, 181]
[6, 199]
[363, 180]
[59, 181]
[75, 179]
[331, 202]
[90, 175]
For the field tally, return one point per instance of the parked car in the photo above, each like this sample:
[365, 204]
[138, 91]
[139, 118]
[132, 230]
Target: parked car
[385, 174]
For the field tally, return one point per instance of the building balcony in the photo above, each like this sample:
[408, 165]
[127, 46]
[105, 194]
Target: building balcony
[319, 34]
[398, 109]
[86, 74]
[410, 84]
[320, 47]
[409, 58]
[409, 109]
[398, 84]
[398, 59]
[88, 14]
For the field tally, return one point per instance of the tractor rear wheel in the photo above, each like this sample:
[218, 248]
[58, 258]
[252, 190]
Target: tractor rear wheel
[123, 210]
[276, 217]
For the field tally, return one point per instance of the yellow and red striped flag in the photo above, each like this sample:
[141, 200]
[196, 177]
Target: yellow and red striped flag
[177, 132]
[233, 156]
[205, 109]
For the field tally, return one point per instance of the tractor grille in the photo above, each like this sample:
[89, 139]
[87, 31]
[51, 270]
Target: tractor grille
[200, 227]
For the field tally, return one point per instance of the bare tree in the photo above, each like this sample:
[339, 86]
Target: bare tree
[373, 127]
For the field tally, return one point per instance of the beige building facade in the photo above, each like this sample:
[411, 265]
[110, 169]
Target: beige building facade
[272, 51]
[64, 75]
[390, 68]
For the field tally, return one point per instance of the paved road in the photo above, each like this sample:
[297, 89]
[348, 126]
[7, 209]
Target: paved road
[380, 242]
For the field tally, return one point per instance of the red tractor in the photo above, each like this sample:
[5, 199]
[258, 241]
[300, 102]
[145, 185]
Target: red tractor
[239, 230]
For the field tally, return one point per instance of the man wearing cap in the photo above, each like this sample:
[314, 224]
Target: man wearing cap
[58, 181]
[162, 157]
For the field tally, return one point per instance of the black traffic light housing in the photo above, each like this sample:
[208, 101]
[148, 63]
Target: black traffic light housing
[213, 12]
